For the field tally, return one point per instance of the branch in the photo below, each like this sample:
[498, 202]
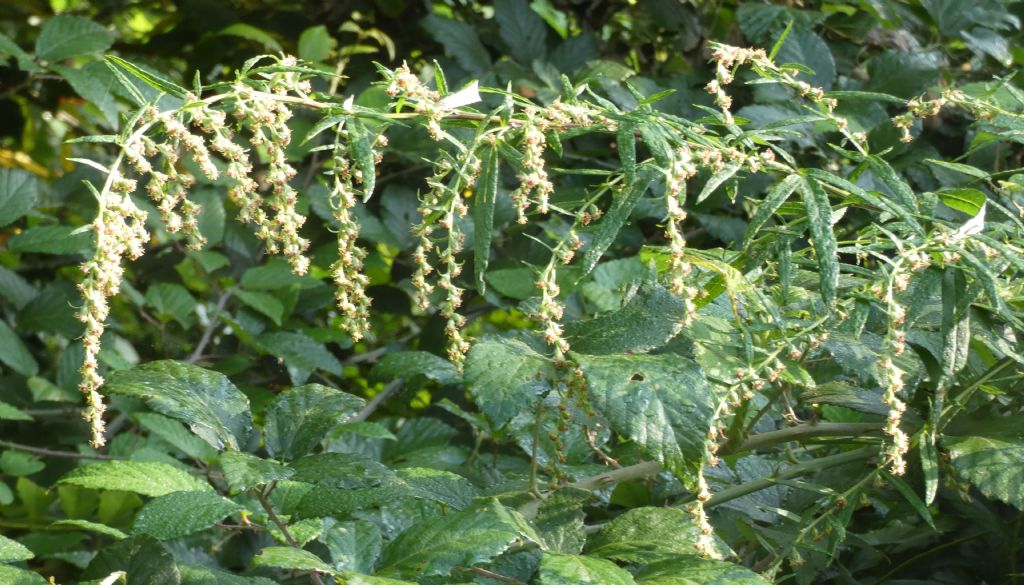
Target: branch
[377, 400]
[204, 341]
[60, 454]
[823, 429]
[313, 575]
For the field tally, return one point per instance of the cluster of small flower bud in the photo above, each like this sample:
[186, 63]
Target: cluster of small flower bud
[675, 198]
[402, 82]
[917, 110]
[898, 445]
[550, 311]
[120, 232]
[533, 180]
[726, 59]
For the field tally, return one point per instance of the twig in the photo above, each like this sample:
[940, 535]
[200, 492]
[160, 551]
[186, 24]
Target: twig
[377, 400]
[804, 431]
[61, 454]
[204, 341]
[262, 496]
[491, 575]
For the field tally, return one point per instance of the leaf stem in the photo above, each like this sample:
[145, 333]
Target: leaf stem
[59, 454]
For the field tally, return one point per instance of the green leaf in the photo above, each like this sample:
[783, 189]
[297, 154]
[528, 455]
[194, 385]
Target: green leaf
[161, 84]
[286, 557]
[18, 464]
[776, 196]
[661, 402]
[912, 498]
[340, 470]
[299, 419]
[460, 41]
[8, 412]
[819, 216]
[14, 354]
[608, 228]
[505, 376]
[562, 569]
[717, 179]
[463, 539]
[141, 477]
[65, 36]
[258, 35]
[644, 535]
[522, 30]
[649, 320]
[175, 434]
[15, 289]
[182, 513]
[302, 355]
[206, 401]
[960, 168]
[16, 576]
[438, 485]
[559, 521]
[93, 527]
[96, 84]
[264, 303]
[316, 44]
[244, 471]
[693, 569]
[51, 239]
[804, 47]
[12, 551]
[963, 199]
[172, 301]
[9, 47]
[484, 200]
[142, 557]
[409, 364]
[995, 465]
[362, 152]
[353, 545]
[19, 191]
[903, 74]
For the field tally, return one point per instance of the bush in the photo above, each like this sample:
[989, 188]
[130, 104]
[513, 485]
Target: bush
[569, 295]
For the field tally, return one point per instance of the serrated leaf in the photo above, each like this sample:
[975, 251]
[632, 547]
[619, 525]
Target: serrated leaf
[505, 376]
[563, 569]
[141, 477]
[244, 471]
[995, 465]
[461, 42]
[661, 402]
[19, 464]
[775, 197]
[463, 539]
[172, 301]
[650, 319]
[65, 36]
[15, 289]
[51, 239]
[803, 46]
[19, 190]
[301, 354]
[175, 434]
[8, 412]
[353, 545]
[95, 83]
[963, 199]
[266, 304]
[819, 217]
[717, 179]
[141, 556]
[316, 44]
[409, 364]
[182, 513]
[688, 570]
[522, 30]
[484, 200]
[286, 557]
[206, 401]
[644, 535]
[438, 485]
[300, 418]
[608, 228]
[12, 551]
[9, 47]
[14, 354]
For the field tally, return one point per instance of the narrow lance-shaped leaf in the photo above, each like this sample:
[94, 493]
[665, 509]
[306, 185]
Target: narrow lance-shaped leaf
[819, 217]
[626, 144]
[717, 179]
[362, 152]
[156, 82]
[776, 196]
[484, 201]
[615, 218]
